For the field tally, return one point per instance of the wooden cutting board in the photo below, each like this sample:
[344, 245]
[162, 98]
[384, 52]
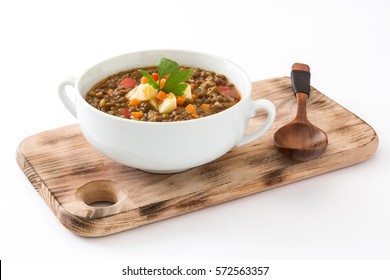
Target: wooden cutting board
[75, 180]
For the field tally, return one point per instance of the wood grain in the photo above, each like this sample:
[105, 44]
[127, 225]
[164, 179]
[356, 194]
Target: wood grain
[69, 174]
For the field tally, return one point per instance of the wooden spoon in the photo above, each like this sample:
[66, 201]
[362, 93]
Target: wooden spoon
[300, 140]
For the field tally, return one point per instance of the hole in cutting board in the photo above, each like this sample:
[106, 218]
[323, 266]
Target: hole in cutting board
[97, 204]
[100, 194]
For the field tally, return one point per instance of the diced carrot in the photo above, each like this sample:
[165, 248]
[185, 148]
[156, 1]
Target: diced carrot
[134, 102]
[128, 83]
[161, 95]
[193, 96]
[162, 82]
[180, 100]
[144, 80]
[205, 106]
[195, 115]
[137, 115]
[155, 76]
[110, 91]
[191, 109]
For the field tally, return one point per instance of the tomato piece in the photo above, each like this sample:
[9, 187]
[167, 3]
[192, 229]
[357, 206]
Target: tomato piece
[124, 112]
[155, 76]
[128, 83]
[229, 91]
[224, 89]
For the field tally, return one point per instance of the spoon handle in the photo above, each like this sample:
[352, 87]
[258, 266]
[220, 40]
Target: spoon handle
[300, 78]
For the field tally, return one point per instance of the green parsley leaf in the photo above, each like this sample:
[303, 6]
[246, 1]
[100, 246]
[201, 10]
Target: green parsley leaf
[176, 77]
[174, 82]
[166, 66]
[151, 81]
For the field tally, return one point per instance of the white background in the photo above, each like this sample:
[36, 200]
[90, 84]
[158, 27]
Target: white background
[340, 215]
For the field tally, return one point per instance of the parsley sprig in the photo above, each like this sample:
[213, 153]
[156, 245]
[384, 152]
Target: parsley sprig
[174, 82]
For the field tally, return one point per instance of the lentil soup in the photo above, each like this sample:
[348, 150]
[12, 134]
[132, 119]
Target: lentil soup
[127, 94]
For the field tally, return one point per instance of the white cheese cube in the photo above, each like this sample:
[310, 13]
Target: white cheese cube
[142, 92]
[168, 104]
[187, 92]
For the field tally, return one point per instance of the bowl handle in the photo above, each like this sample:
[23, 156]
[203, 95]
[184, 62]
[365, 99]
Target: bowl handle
[259, 104]
[68, 103]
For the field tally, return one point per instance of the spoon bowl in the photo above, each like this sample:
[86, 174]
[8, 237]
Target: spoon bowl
[300, 140]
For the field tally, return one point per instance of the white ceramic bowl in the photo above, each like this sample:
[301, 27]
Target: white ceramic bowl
[165, 147]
